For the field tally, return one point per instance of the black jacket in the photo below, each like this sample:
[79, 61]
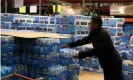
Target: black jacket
[104, 50]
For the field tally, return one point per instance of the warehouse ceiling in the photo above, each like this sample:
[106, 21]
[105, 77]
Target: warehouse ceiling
[101, 1]
[73, 1]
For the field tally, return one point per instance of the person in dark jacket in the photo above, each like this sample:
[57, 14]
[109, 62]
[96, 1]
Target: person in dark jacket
[103, 49]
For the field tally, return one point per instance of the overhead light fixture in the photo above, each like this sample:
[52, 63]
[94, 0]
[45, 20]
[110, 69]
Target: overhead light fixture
[121, 9]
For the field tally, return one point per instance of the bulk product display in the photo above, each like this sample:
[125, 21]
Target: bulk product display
[112, 26]
[71, 63]
[28, 22]
[10, 58]
[40, 57]
[120, 39]
[77, 27]
[43, 57]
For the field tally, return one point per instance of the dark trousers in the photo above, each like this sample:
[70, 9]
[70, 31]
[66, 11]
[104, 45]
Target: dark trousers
[114, 72]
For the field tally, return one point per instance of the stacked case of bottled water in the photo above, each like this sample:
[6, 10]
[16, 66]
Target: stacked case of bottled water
[10, 57]
[10, 51]
[42, 56]
[47, 24]
[6, 20]
[90, 63]
[5, 71]
[66, 59]
[28, 22]
[114, 26]
[75, 25]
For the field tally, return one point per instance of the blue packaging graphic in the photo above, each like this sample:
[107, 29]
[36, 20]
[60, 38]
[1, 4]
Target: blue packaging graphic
[63, 29]
[84, 20]
[7, 17]
[22, 26]
[52, 20]
[125, 38]
[15, 26]
[5, 25]
[44, 19]
[5, 71]
[116, 40]
[109, 22]
[68, 19]
[51, 28]
[43, 27]
[62, 19]
[36, 19]
[65, 41]
[85, 29]
[36, 27]
[119, 31]
[31, 26]
[79, 30]
[112, 31]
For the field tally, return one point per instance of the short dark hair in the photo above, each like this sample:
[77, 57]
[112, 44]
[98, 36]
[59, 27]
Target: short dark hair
[97, 20]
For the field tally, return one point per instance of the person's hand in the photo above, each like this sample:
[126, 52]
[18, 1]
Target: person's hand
[65, 46]
[76, 56]
[88, 58]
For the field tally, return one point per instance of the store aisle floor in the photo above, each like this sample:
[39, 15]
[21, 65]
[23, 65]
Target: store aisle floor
[84, 75]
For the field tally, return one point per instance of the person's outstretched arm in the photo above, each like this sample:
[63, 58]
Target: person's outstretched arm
[83, 41]
[97, 48]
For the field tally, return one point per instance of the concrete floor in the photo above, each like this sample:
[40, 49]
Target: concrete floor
[84, 75]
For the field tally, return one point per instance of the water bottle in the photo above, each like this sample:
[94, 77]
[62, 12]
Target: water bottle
[3, 72]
